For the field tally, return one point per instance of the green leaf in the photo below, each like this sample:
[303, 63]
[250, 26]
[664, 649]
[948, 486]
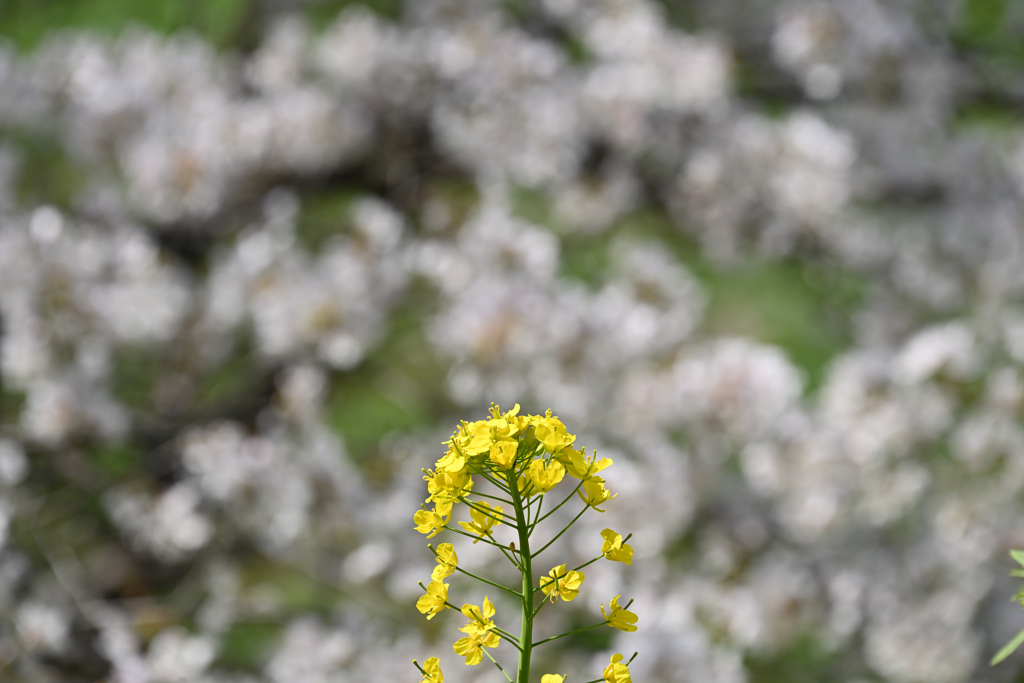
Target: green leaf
[1018, 573]
[1009, 648]
[1018, 555]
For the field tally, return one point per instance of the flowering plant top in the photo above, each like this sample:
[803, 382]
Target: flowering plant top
[524, 457]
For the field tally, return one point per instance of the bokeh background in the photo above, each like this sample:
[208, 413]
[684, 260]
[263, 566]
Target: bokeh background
[257, 257]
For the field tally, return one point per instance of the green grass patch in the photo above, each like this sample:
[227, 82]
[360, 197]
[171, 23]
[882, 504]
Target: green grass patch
[323, 215]
[787, 305]
[247, 645]
[803, 661]
[117, 460]
[26, 22]
[802, 307]
[45, 175]
[324, 12]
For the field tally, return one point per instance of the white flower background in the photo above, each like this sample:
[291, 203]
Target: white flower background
[769, 257]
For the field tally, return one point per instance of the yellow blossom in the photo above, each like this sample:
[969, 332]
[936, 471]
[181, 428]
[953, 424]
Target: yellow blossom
[455, 459]
[471, 646]
[551, 432]
[616, 671]
[447, 561]
[433, 601]
[562, 584]
[551, 678]
[545, 475]
[619, 617]
[596, 493]
[431, 522]
[447, 487]
[579, 466]
[503, 453]
[614, 549]
[432, 671]
[482, 523]
[480, 620]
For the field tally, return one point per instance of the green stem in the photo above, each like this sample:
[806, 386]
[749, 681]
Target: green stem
[553, 511]
[487, 512]
[563, 635]
[526, 634]
[490, 583]
[495, 662]
[585, 508]
[536, 514]
[480, 578]
[466, 492]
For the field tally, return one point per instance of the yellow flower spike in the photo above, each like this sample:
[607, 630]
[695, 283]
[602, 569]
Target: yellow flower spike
[432, 671]
[619, 617]
[480, 620]
[471, 646]
[562, 584]
[525, 456]
[596, 493]
[614, 549]
[482, 523]
[431, 522]
[545, 475]
[617, 672]
[503, 453]
[447, 561]
[433, 601]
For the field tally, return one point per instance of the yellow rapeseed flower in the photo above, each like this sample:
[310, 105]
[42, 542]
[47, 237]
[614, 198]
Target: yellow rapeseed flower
[433, 601]
[551, 678]
[579, 466]
[447, 561]
[431, 522]
[562, 584]
[596, 493]
[432, 671]
[619, 617]
[551, 432]
[447, 487]
[503, 452]
[545, 475]
[480, 620]
[614, 549]
[471, 646]
[617, 672]
[482, 523]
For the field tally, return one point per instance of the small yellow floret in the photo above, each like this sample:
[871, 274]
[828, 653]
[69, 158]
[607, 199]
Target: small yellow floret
[616, 671]
[480, 620]
[544, 476]
[596, 493]
[614, 549]
[431, 522]
[619, 617]
[432, 671]
[482, 522]
[433, 601]
[447, 561]
[562, 584]
[471, 647]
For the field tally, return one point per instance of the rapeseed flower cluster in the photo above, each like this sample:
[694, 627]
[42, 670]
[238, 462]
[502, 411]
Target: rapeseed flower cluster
[502, 468]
